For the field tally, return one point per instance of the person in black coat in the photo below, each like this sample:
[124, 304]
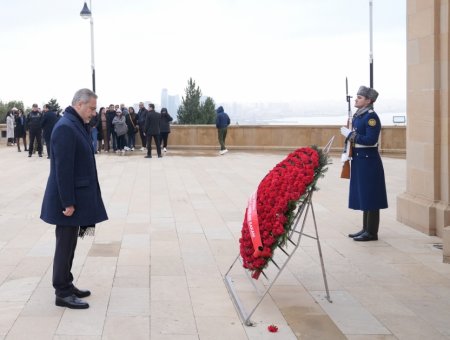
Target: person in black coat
[72, 199]
[152, 130]
[165, 127]
[48, 121]
[142, 116]
[34, 125]
[93, 124]
[98, 126]
[132, 123]
[20, 129]
[110, 133]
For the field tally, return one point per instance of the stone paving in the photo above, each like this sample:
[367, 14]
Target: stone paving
[156, 267]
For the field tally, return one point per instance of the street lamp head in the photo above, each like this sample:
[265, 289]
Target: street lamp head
[85, 12]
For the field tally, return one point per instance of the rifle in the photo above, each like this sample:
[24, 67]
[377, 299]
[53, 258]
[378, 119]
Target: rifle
[345, 173]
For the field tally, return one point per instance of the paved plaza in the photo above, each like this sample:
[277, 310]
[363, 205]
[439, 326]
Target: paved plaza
[156, 267]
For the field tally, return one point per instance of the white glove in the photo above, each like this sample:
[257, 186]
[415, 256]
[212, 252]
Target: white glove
[344, 158]
[345, 131]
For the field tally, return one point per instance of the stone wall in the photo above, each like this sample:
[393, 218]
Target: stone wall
[425, 203]
[273, 137]
[278, 137]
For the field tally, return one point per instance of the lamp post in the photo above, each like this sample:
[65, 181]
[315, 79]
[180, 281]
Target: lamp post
[87, 14]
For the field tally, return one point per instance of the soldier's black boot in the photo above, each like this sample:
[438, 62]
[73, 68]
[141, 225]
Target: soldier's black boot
[364, 226]
[373, 222]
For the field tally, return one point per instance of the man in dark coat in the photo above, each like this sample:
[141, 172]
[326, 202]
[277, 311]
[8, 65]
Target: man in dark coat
[72, 199]
[34, 125]
[142, 116]
[152, 130]
[222, 122]
[111, 134]
[48, 121]
[367, 184]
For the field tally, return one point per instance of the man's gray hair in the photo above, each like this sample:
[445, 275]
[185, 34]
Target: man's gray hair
[83, 95]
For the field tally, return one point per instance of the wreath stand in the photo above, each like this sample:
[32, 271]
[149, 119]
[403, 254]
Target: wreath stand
[276, 267]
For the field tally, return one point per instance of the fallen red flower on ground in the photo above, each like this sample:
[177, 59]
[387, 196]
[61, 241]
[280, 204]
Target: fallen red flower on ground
[272, 329]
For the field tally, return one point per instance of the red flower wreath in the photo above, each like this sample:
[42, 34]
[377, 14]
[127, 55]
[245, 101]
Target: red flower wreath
[274, 207]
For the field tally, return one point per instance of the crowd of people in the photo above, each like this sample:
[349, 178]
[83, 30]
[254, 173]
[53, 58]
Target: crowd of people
[113, 129]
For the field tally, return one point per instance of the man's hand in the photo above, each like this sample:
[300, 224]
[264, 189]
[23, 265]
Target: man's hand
[344, 158]
[345, 131]
[69, 211]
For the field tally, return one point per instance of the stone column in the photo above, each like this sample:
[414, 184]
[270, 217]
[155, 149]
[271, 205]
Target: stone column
[425, 204]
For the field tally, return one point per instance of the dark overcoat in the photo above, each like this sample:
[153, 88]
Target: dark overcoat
[73, 176]
[367, 184]
[153, 123]
[166, 118]
[20, 128]
[48, 122]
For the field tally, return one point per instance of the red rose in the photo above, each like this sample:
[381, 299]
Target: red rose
[272, 329]
[277, 195]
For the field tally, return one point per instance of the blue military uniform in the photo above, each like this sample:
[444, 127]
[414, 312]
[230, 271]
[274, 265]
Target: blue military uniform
[367, 184]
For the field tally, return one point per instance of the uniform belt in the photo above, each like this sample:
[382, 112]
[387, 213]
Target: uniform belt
[366, 146]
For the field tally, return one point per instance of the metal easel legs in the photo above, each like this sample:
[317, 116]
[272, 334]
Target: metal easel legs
[278, 265]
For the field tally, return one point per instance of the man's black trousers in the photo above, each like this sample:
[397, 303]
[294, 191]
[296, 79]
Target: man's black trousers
[35, 134]
[66, 242]
[149, 144]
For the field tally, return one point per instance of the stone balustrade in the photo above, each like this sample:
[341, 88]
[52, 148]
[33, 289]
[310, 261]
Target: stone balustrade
[278, 137]
[272, 137]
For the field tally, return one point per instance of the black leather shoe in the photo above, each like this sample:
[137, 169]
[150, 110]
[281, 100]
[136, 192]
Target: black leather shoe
[356, 234]
[80, 293]
[148, 156]
[71, 302]
[365, 237]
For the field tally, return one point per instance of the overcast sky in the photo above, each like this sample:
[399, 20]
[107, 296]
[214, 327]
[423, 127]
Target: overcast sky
[236, 50]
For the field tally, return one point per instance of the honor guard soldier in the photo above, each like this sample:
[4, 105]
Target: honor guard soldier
[367, 183]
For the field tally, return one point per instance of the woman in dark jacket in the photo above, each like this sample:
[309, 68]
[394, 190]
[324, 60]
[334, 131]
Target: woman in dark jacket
[132, 123]
[165, 127]
[99, 130]
[20, 129]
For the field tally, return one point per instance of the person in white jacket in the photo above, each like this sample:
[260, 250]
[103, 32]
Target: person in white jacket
[10, 128]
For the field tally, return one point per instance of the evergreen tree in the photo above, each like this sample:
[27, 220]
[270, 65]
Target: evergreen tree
[53, 105]
[7, 106]
[191, 110]
[208, 111]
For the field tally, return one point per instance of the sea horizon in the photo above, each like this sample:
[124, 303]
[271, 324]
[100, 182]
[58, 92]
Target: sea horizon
[387, 119]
